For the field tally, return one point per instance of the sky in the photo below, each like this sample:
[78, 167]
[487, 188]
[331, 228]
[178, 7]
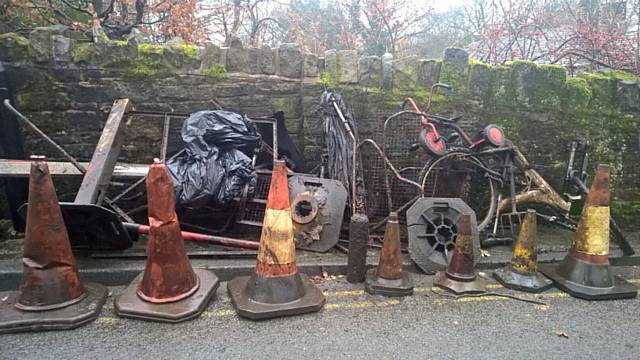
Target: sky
[444, 5]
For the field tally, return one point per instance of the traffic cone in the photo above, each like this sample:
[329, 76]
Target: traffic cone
[522, 274]
[169, 289]
[388, 278]
[585, 271]
[460, 276]
[276, 288]
[51, 295]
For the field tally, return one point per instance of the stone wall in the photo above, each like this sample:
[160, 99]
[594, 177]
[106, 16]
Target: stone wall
[67, 85]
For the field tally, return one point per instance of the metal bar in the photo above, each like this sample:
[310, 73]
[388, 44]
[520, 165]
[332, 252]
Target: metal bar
[191, 236]
[165, 137]
[10, 168]
[100, 170]
[33, 127]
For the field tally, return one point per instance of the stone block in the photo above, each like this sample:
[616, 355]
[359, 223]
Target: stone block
[348, 66]
[405, 73]
[261, 61]
[41, 41]
[370, 71]
[331, 63]
[180, 56]
[628, 92]
[480, 84]
[387, 71]
[428, 72]
[454, 69]
[13, 47]
[310, 65]
[212, 55]
[289, 61]
[237, 56]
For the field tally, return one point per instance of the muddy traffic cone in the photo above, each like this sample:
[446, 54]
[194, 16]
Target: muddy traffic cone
[522, 274]
[51, 296]
[169, 289]
[276, 288]
[585, 271]
[460, 276]
[388, 278]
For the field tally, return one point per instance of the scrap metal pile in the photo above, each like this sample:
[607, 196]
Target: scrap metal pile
[232, 172]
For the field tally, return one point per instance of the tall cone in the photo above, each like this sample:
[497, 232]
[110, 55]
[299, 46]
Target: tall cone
[522, 274]
[585, 271]
[169, 289]
[276, 288]
[460, 276]
[51, 295]
[388, 278]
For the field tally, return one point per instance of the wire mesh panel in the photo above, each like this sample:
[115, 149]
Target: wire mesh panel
[397, 141]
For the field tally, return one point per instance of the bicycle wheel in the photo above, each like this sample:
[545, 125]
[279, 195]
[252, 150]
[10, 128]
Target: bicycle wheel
[461, 174]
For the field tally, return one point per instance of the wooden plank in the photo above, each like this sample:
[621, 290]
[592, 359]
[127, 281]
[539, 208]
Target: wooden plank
[21, 168]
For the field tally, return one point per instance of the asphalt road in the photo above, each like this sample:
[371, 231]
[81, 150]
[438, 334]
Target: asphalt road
[356, 325]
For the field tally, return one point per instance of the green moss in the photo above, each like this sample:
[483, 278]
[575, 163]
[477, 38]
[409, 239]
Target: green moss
[83, 52]
[13, 47]
[579, 93]
[40, 91]
[147, 49]
[144, 68]
[623, 75]
[330, 80]
[217, 72]
[189, 50]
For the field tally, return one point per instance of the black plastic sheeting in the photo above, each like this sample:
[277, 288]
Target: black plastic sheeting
[11, 147]
[339, 145]
[287, 149]
[216, 164]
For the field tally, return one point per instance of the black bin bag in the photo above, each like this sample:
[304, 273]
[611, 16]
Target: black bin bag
[216, 163]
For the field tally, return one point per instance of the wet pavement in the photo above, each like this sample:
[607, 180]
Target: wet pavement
[356, 325]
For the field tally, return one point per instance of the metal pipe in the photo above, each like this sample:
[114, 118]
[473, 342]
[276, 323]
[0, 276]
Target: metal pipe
[191, 236]
[353, 151]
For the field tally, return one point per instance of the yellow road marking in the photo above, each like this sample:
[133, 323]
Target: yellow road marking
[218, 313]
[360, 304]
[107, 320]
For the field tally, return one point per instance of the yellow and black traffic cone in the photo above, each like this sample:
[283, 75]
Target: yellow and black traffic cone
[51, 295]
[276, 288]
[460, 276]
[522, 274]
[585, 271]
[388, 278]
[169, 289]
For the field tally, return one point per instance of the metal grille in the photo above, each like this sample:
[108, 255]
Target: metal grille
[402, 132]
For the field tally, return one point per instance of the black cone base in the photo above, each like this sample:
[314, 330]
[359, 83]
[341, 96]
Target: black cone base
[619, 289]
[476, 286]
[529, 283]
[86, 310]
[376, 285]
[312, 299]
[130, 305]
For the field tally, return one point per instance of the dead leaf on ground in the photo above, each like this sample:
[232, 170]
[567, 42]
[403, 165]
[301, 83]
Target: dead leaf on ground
[484, 253]
[562, 334]
[541, 307]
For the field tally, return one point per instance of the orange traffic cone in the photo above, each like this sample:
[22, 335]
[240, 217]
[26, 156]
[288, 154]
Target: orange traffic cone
[276, 288]
[388, 278]
[169, 289]
[460, 276]
[522, 274]
[50, 296]
[585, 271]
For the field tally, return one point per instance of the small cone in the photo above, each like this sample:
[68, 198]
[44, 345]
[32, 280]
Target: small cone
[388, 278]
[51, 295]
[460, 276]
[585, 271]
[169, 289]
[276, 288]
[522, 274]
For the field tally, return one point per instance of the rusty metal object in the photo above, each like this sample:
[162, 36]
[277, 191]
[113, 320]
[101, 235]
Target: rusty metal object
[276, 288]
[388, 278]
[51, 295]
[460, 276]
[585, 271]
[169, 289]
[317, 209]
[433, 228]
[357, 254]
[197, 237]
[522, 274]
